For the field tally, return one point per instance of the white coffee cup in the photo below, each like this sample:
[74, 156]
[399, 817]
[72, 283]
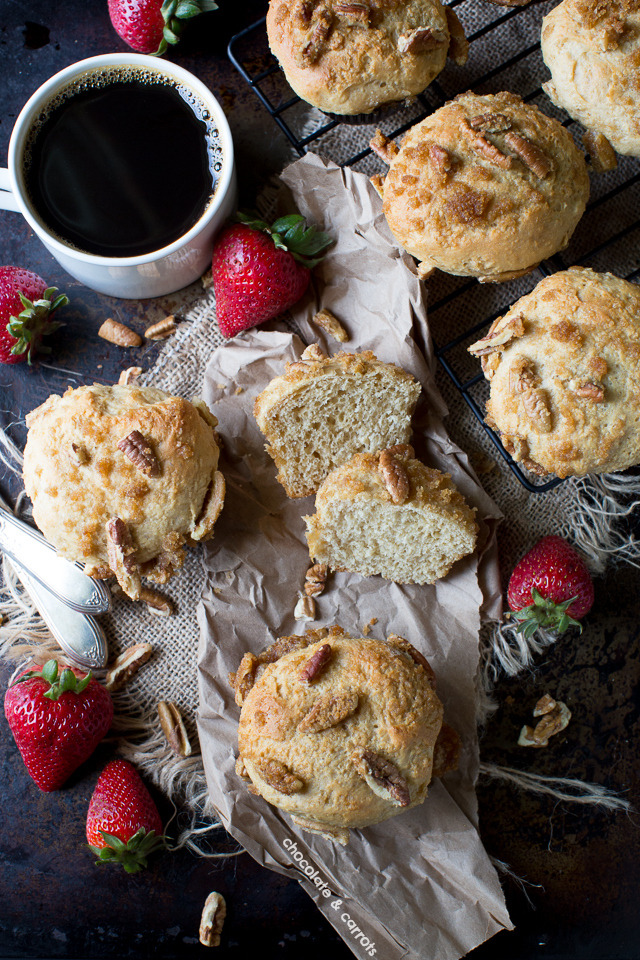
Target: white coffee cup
[151, 274]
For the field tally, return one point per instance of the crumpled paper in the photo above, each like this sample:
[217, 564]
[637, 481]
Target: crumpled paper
[420, 885]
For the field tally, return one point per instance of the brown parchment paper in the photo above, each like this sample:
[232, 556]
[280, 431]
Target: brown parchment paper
[420, 885]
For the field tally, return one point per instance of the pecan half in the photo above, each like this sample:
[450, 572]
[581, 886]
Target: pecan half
[530, 154]
[127, 665]
[386, 149]
[328, 711]
[331, 325]
[162, 329]
[174, 729]
[211, 508]
[319, 34]
[158, 604]
[421, 40]
[382, 776]
[244, 678]
[277, 775]
[602, 156]
[415, 655]
[122, 557]
[117, 333]
[395, 477]
[536, 405]
[499, 336]
[353, 11]
[458, 43]
[316, 664]
[315, 579]
[485, 148]
[212, 920]
[138, 450]
[590, 391]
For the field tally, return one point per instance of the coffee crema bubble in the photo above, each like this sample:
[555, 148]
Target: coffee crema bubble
[122, 162]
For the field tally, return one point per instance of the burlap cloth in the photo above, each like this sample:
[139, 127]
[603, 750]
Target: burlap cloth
[585, 510]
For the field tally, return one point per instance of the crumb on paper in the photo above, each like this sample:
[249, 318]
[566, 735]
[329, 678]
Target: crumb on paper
[238, 390]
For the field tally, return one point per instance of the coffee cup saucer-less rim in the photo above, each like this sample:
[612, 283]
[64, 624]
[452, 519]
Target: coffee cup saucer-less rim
[15, 200]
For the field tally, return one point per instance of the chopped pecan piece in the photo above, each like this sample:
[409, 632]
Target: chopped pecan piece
[415, 655]
[386, 149]
[439, 158]
[241, 770]
[117, 333]
[421, 40]
[382, 776]
[446, 752]
[331, 325]
[354, 11]
[285, 645]
[490, 363]
[490, 122]
[80, 453]
[138, 450]
[552, 722]
[328, 711]
[458, 43]
[545, 704]
[305, 608]
[530, 154]
[122, 557]
[174, 729]
[127, 665]
[534, 467]
[319, 34]
[590, 391]
[396, 478]
[521, 376]
[485, 148]
[128, 376]
[212, 920]
[277, 775]
[602, 156]
[499, 336]
[402, 450]
[316, 664]
[315, 579]
[157, 603]
[244, 678]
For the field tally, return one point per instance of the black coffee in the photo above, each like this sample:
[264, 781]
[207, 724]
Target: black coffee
[122, 164]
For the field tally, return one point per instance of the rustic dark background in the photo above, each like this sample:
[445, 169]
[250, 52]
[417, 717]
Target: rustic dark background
[581, 864]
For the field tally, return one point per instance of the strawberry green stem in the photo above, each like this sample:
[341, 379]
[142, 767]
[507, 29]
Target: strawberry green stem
[67, 682]
[544, 614]
[132, 854]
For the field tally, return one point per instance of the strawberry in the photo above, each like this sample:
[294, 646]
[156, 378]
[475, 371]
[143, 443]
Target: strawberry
[550, 587]
[123, 823]
[260, 271]
[26, 306]
[57, 721]
[149, 26]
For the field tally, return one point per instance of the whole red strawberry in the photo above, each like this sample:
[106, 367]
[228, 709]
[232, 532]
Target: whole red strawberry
[148, 26]
[123, 823]
[550, 587]
[260, 271]
[26, 307]
[57, 721]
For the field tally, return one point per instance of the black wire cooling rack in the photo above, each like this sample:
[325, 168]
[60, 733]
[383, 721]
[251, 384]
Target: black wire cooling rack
[607, 238]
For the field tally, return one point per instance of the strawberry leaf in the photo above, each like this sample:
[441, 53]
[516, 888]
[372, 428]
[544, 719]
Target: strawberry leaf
[132, 854]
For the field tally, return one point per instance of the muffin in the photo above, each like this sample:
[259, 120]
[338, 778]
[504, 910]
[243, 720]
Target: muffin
[564, 370]
[389, 514]
[349, 57]
[340, 731]
[121, 477]
[592, 49]
[323, 409]
[485, 187]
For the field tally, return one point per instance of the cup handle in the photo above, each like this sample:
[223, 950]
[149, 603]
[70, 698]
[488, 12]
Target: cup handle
[8, 199]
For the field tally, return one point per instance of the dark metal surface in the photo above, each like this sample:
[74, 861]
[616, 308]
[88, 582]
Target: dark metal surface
[584, 863]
